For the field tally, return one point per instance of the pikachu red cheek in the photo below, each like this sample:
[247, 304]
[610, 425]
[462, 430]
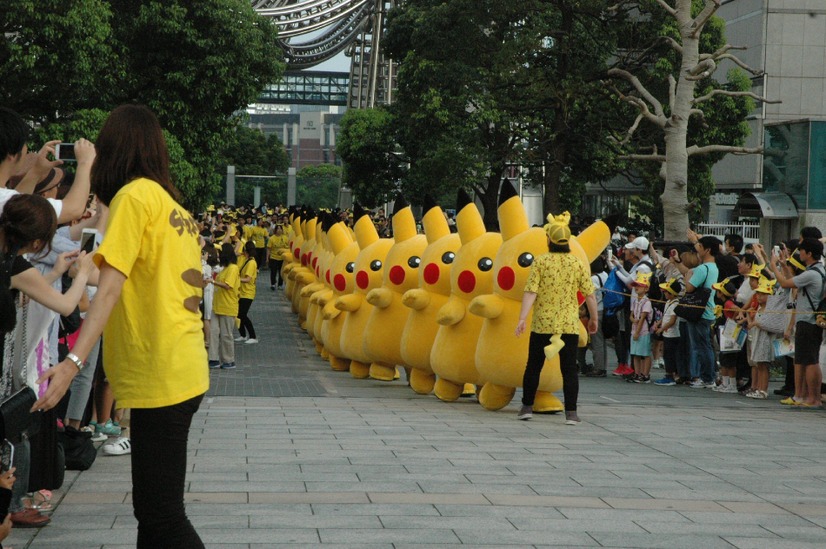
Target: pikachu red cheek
[467, 281]
[506, 278]
[397, 275]
[362, 280]
[340, 282]
[431, 273]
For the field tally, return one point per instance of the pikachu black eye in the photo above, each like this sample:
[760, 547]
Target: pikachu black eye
[375, 265]
[414, 262]
[448, 257]
[525, 260]
[350, 267]
[485, 264]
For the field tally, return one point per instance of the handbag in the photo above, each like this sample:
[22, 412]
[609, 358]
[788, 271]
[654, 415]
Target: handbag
[16, 419]
[692, 305]
[47, 460]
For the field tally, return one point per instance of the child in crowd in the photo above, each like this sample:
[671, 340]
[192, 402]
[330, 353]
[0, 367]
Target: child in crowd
[762, 350]
[641, 321]
[225, 305]
[726, 290]
[669, 328]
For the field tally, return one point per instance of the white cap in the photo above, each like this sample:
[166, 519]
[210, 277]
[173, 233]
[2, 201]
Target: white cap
[640, 243]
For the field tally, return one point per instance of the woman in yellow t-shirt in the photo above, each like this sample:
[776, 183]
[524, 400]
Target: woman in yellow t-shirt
[277, 243]
[246, 293]
[149, 290]
[225, 305]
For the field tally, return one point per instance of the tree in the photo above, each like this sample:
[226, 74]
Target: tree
[254, 153]
[195, 63]
[366, 146]
[692, 100]
[318, 186]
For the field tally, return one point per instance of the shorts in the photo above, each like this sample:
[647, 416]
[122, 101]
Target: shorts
[642, 346]
[807, 338]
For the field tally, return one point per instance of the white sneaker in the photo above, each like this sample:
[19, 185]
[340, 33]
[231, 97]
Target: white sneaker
[240, 339]
[118, 447]
[730, 389]
[250, 341]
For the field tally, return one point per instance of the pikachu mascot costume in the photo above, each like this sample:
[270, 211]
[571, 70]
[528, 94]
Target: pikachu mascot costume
[454, 349]
[369, 270]
[343, 282]
[382, 339]
[425, 301]
[319, 292]
[306, 277]
[296, 242]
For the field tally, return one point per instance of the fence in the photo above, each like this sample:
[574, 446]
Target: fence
[749, 231]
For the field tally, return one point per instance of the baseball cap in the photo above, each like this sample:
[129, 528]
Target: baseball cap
[640, 243]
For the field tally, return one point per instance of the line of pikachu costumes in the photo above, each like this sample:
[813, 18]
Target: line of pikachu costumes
[441, 305]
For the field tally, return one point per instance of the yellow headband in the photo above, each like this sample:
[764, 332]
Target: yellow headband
[557, 228]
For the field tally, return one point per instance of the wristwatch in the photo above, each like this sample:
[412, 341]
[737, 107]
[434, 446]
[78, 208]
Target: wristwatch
[74, 358]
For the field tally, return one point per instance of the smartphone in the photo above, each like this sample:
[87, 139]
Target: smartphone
[65, 152]
[6, 455]
[610, 253]
[87, 240]
[776, 250]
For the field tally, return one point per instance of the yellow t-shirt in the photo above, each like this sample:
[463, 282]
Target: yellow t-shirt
[224, 301]
[259, 237]
[154, 352]
[277, 245]
[248, 268]
[555, 279]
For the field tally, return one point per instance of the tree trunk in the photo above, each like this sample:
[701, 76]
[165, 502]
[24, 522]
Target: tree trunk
[675, 194]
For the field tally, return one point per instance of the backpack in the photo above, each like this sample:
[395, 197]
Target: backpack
[655, 293]
[78, 448]
[614, 294]
[820, 310]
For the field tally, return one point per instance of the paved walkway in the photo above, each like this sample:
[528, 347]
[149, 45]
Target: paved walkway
[286, 452]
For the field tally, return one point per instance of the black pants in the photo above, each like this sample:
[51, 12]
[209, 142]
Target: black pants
[275, 271]
[159, 437]
[567, 365]
[261, 257]
[671, 353]
[244, 305]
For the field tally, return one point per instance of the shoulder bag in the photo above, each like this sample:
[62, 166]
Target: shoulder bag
[692, 305]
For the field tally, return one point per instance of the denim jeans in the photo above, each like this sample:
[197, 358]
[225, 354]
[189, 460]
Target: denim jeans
[701, 355]
[159, 437]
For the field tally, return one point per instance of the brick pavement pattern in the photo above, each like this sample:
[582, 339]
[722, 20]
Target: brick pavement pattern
[287, 453]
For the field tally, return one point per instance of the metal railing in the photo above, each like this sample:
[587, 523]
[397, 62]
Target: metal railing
[749, 231]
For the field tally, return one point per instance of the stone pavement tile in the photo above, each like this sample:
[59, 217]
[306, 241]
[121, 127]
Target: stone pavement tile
[447, 523]
[265, 475]
[464, 546]
[94, 509]
[100, 485]
[547, 501]
[363, 486]
[753, 507]
[577, 525]
[664, 504]
[84, 522]
[747, 518]
[400, 497]
[721, 492]
[99, 497]
[670, 541]
[275, 521]
[799, 533]
[601, 515]
[732, 528]
[75, 537]
[246, 486]
[214, 497]
[396, 535]
[545, 489]
[453, 488]
[308, 497]
[535, 537]
[258, 535]
[497, 511]
[383, 509]
[762, 543]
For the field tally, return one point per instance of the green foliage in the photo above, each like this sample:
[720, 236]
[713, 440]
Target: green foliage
[318, 186]
[253, 153]
[194, 63]
[366, 145]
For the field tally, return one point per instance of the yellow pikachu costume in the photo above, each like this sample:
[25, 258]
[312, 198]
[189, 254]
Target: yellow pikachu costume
[382, 338]
[320, 291]
[369, 270]
[452, 356]
[343, 282]
[500, 355]
[426, 300]
[296, 242]
[305, 277]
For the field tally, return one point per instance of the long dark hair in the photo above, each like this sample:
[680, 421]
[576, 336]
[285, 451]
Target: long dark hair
[26, 218]
[130, 145]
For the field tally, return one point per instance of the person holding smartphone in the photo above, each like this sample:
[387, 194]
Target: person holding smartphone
[150, 271]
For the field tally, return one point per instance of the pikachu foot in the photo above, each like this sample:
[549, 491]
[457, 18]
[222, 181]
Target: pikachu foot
[553, 349]
[383, 373]
[495, 397]
[422, 382]
[339, 364]
[447, 391]
[468, 390]
[547, 403]
[359, 370]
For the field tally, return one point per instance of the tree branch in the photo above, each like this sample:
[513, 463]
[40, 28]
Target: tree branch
[708, 11]
[736, 60]
[694, 150]
[672, 92]
[729, 93]
[634, 81]
[666, 7]
[703, 69]
[630, 131]
[645, 157]
[676, 46]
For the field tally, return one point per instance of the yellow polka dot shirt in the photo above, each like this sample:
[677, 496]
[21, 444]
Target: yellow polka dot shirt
[555, 279]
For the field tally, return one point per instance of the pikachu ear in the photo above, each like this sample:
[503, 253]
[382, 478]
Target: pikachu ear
[512, 217]
[363, 228]
[404, 224]
[469, 222]
[434, 222]
[339, 237]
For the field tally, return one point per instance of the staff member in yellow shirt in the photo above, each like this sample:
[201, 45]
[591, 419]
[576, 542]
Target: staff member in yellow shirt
[225, 304]
[551, 290]
[149, 289]
[246, 293]
[259, 237]
[277, 243]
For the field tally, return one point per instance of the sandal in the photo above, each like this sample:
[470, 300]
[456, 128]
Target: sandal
[39, 501]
